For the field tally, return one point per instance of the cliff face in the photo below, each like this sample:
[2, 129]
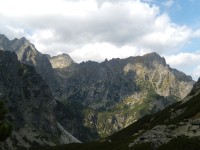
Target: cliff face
[30, 103]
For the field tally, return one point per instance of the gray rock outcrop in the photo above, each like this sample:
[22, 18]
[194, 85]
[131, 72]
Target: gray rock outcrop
[61, 61]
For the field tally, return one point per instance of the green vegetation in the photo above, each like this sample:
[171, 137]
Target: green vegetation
[123, 113]
[5, 127]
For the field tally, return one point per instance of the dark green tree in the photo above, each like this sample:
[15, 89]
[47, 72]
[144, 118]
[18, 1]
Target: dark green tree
[5, 127]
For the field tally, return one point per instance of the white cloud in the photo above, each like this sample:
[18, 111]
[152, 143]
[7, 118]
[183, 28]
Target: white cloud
[77, 23]
[98, 29]
[27, 8]
[100, 51]
[186, 62]
[12, 32]
[196, 72]
[196, 34]
[74, 24]
[166, 35]
[183, 59]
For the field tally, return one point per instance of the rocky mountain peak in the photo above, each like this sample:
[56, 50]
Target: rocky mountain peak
[22, 40]
[17, 43]
[12, 45]
[4, 42]
[2, 36]
[149, 60]
[28, 54]
[61, 61]
[154, 58]
[153, 54]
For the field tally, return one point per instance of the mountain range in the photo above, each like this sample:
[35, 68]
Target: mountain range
[54, 98]
[113, 94]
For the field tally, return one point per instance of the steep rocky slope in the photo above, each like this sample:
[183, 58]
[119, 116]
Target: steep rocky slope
[115, 93]
[31, 106]
[177, 127]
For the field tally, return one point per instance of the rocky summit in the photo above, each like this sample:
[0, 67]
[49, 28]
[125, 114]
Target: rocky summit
[31, 106]
[61, 61]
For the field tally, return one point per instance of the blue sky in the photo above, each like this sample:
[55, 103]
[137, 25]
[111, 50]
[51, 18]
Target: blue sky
[99, 29]
[185, 12]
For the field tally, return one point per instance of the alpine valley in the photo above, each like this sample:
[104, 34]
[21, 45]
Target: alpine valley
[134, 103]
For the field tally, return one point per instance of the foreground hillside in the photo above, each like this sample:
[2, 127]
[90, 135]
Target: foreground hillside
[177, 127]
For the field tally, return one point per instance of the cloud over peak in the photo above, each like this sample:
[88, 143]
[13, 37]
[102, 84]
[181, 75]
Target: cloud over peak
[94, 29]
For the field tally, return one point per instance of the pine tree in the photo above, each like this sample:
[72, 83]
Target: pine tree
[5, 127]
